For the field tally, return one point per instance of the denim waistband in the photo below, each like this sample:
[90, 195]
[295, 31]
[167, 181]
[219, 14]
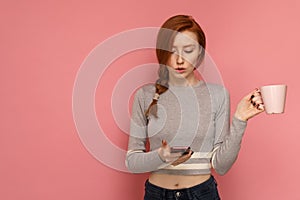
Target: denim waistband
[182, 192]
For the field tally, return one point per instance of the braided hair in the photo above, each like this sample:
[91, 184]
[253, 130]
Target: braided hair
[165, 39]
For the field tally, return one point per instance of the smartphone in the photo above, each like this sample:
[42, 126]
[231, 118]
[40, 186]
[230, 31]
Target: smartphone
[180, 149]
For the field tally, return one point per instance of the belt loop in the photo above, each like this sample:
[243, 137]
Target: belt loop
[215, 180]
[164, 194]
[189, 194]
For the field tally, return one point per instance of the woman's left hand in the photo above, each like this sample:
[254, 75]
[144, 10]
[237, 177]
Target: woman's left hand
[250, 106]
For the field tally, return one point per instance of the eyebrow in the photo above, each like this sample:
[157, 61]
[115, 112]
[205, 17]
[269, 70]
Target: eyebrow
[189, 45]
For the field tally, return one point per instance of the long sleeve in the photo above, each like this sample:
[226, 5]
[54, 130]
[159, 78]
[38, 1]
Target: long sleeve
[228, 137]
[137, 159]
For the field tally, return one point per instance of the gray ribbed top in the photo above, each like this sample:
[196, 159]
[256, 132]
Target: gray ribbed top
[196, 116]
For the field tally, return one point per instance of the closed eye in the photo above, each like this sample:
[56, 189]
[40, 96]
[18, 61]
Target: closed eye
[188, 51]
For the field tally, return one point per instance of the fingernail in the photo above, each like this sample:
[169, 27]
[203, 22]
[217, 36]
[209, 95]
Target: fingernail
[260, 106]
[252, 96]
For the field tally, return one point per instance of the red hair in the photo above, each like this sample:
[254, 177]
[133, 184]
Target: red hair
[165, 39]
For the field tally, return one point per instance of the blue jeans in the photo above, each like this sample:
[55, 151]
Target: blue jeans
[204, 191]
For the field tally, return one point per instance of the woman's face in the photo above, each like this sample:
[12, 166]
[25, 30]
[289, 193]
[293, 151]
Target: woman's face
[184, 57]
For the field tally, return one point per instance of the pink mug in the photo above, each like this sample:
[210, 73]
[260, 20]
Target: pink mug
[273, 97]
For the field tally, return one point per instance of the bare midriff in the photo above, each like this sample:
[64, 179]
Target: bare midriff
[169, 181]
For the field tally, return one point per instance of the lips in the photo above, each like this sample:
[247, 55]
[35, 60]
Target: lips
[180, 70]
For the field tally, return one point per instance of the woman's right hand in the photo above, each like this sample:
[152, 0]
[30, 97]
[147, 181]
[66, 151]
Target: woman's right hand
[175, 158]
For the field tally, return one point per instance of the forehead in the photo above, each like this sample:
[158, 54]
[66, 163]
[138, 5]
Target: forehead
[185, 38]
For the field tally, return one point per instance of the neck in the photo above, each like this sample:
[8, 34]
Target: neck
[183, 81]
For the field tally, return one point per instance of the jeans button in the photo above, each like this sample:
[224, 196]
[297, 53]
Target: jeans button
[178, 194]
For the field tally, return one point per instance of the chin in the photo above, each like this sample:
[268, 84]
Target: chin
[180, 77]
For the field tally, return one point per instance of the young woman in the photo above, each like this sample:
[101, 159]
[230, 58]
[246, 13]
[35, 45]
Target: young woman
[185, 120]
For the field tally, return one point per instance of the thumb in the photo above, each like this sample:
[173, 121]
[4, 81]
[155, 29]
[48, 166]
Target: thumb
[164, 143]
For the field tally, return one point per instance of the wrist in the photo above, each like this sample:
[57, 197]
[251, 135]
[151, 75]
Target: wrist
[160, 154]
[240, 117]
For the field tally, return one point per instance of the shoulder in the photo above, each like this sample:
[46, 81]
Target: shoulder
[216, 87]
[218, 93]
[217, 90]
[145, 92]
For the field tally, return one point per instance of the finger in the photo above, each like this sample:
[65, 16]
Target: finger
[260, 107]
[176, 162]
[256, 103]
[175, 155]
[252, 94]
[179, 161]
[257, 107]
[257, 98]
[164, 143]
[182, 159]
[190, 153]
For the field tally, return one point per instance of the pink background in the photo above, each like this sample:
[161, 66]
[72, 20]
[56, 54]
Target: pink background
[43, 44]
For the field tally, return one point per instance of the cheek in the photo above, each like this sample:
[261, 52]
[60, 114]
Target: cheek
[189, 58]
[171, 61]
[192, 59]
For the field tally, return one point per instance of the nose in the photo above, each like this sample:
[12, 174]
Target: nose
[179, 59]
